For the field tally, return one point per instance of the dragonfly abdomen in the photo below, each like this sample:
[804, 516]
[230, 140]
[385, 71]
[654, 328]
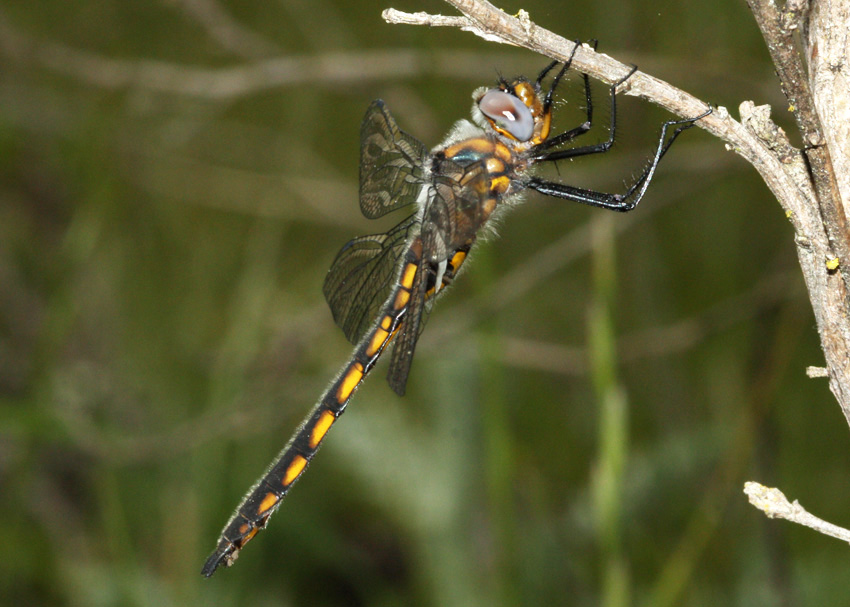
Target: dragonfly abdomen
[265, 496]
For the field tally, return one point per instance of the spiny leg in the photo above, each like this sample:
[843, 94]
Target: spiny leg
[632, 196]
[540, 153]
[547, 102]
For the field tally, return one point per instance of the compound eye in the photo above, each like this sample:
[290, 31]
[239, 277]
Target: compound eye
[509, 115]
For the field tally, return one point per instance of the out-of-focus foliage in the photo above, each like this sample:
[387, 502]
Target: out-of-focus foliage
[175, 178]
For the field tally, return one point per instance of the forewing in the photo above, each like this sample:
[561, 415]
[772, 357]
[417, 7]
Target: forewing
[362, 277]
[391, 164]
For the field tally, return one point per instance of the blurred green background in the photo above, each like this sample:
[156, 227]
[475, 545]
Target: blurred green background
[176, 177]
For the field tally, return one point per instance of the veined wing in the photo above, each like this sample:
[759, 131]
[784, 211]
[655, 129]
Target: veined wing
[362, 277]
[391, 164]
[450, 221]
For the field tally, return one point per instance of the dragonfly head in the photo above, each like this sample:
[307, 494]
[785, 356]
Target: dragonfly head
[514, 110]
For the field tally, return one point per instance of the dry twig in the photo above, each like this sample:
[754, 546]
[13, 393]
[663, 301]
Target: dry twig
[775, 505]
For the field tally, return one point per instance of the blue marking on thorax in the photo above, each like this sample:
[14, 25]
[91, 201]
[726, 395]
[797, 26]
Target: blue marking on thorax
[467, 157]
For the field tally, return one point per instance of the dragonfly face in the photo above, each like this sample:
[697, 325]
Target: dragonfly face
[516, 111]
[381, 287]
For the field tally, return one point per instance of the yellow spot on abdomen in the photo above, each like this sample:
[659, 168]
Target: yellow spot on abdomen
[407, 275]
[349, 382]
[401, 299]
[378, 340]
[247, 530]
[458, 259]
[268, 502]
[295, 468]
[326, 420]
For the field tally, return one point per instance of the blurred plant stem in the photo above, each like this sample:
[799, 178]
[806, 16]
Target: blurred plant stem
[607, 481]
[499, 453]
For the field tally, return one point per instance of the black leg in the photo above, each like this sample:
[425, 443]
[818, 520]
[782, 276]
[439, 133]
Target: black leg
[549, 67]
[547, 104]
[547, 101]
[540, 154]
[632, 196]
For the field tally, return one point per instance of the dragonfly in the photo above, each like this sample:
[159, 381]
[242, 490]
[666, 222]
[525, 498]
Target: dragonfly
[381, 287]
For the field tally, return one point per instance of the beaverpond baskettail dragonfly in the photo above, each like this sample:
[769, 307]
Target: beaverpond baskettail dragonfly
[381, 286]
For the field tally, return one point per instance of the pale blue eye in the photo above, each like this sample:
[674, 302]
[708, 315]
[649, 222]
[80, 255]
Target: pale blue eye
[509, 113]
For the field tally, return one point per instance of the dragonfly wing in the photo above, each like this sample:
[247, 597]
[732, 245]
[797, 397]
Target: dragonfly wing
[391, 164]
[450, 220]
[408, 334]
[362, 277]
